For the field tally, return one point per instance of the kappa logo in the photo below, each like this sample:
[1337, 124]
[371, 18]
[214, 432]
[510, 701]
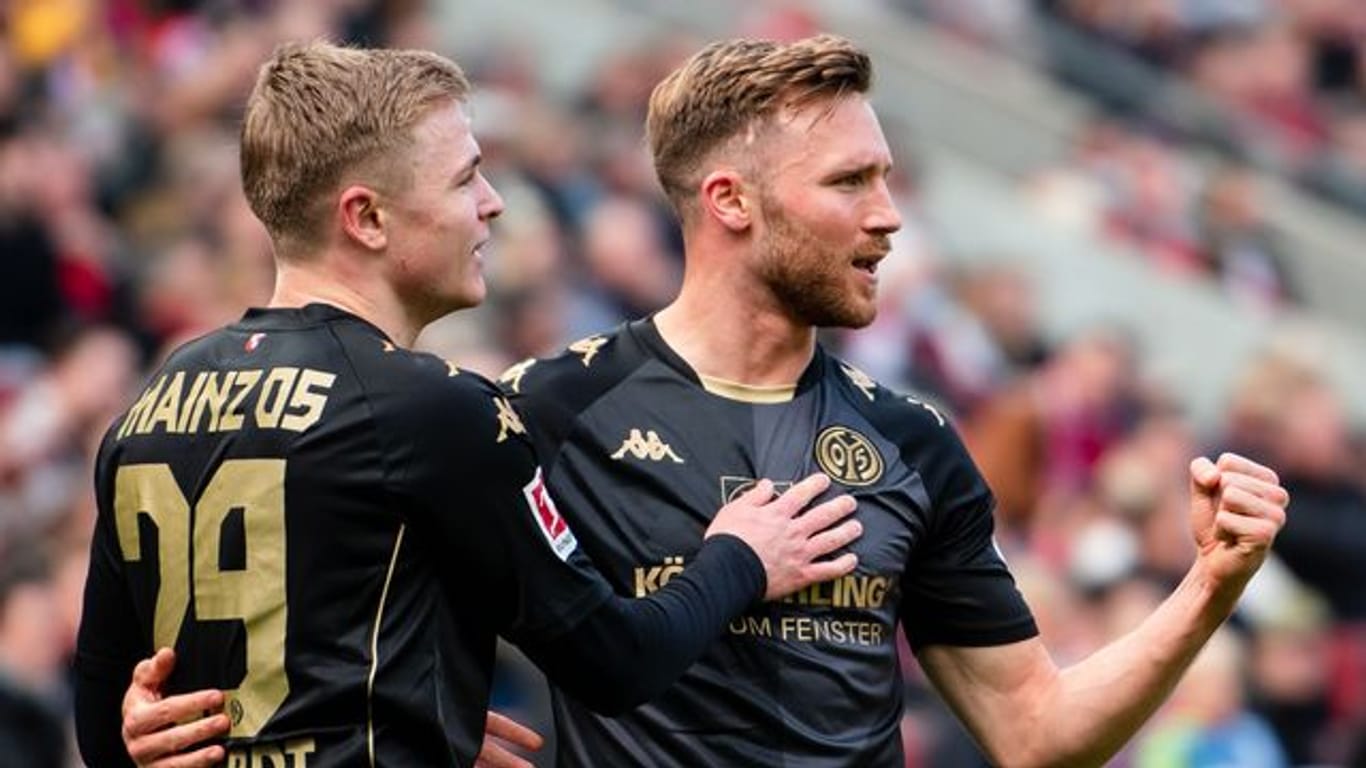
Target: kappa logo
[939, 417]
[848, 456]
[548, 517]
[513, 375]
[508, 420]
[860, 379]
[646, 446]
[588, 348]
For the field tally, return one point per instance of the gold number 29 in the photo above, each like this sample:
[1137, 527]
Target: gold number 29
[254, 595]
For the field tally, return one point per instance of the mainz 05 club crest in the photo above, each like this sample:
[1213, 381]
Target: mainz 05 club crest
[848, 456]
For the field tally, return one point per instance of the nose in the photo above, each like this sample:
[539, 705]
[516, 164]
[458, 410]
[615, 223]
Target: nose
[491, 203]
[883, 217]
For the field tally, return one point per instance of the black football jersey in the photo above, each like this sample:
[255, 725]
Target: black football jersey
[639, 454]
[332, 529]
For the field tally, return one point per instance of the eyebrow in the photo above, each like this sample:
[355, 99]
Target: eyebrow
[469, 166]
[862, 169]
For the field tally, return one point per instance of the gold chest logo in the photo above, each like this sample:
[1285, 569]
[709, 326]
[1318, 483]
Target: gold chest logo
[646, 447]
[848, 456]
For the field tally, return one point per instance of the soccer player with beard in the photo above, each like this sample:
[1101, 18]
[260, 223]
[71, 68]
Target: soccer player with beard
[776, 164]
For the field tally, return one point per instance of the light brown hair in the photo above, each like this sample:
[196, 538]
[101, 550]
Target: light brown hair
[320, 110]
[727, 87]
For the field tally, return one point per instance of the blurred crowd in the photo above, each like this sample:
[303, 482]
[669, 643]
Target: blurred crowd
[1280, 84]
[124, 232]
[1131, 187]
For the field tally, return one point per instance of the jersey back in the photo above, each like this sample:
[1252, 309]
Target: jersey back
[287, 505]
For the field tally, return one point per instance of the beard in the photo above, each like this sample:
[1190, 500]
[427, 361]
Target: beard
[810, 279]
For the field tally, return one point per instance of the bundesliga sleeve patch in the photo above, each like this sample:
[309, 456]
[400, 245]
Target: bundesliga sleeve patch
[548, 518]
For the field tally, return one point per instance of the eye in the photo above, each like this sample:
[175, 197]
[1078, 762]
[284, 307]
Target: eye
[849, 180]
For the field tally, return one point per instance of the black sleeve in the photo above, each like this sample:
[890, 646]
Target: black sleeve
[483, 507]
[503, 523]
[544, 592]
[108, 644]
[957, 590]
[99, 723]
[627, 651]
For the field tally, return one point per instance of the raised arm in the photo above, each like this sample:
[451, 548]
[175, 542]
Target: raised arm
[1025, 711]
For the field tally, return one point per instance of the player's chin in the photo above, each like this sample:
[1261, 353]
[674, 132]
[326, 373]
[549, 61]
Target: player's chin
[862, 316]
[859, 309]
[476, 293]
[852, 314]
[470, 294]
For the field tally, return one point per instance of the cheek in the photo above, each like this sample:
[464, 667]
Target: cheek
[833, 217]
[463, 225]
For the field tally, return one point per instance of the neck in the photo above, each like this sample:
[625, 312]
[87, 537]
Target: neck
[315, 282]
[732, 329]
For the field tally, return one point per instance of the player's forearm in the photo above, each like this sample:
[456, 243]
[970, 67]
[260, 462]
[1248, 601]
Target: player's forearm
[1098, 704]
[629, 651]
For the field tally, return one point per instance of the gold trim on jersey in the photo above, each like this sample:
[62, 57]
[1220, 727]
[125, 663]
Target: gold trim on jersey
[848, 456]
[748, 393]
[374, 647]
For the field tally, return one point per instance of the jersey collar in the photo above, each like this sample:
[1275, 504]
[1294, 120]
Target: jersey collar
[647, 335]
[282, 318]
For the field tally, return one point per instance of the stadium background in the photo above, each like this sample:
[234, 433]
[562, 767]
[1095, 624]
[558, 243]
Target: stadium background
[1133, 233]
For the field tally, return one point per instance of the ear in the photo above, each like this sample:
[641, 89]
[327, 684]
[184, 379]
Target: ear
[361, 217]
[727, 198]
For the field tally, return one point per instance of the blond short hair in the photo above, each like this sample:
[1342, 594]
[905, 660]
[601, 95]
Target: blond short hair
[731, 85]
[320, 110]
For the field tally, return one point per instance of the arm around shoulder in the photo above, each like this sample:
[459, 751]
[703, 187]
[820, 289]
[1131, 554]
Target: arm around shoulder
[628, 651]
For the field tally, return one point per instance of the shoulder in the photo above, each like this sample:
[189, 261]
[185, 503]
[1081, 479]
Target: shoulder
[578, 374]
[904, 418]
[553, 392]
[411, 378]
[922, 431]
[435, 384]
[426, 396]
[194, 352]
[582, 364]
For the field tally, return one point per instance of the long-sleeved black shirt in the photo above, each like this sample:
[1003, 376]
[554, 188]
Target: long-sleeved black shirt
[334, 531]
